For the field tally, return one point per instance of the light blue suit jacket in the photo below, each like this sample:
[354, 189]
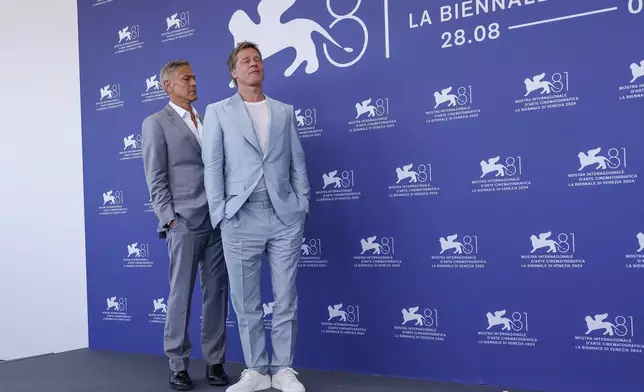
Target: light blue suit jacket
[234, 163]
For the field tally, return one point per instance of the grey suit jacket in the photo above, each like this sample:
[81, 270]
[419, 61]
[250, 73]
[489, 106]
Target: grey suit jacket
[234, 162]
[173, 170]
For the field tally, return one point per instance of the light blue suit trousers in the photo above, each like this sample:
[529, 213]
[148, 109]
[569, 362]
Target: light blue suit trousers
[256, 229]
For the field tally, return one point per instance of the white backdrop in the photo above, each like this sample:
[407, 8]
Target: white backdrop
[43, 300]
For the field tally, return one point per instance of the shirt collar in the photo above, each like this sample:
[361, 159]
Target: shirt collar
[181, 111]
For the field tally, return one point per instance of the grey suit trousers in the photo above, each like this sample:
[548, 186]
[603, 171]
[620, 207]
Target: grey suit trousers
[189, 250]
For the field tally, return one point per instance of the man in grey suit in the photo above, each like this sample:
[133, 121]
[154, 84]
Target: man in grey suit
[171, 144]
[257, 187]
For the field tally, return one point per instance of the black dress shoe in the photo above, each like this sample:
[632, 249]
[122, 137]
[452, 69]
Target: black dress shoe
[180, 381]
[216, 375]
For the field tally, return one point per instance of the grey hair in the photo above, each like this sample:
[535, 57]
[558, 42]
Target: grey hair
[170, 67]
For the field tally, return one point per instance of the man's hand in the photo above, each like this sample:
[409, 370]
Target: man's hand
[171, 224]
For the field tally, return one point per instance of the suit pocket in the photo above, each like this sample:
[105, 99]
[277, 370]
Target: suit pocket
[178, 223]
[285, 185]
[234, 188]
[233, 221]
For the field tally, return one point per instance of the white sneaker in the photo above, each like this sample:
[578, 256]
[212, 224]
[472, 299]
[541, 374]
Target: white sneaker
[251, 381]
[286, 381]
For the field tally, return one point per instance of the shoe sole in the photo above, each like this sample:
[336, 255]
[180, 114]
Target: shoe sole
[266, 385]
[262, 387]
[278, 387]
[178, 388]
[218, 383]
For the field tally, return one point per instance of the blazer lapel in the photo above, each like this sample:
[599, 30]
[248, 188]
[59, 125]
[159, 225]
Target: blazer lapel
[276, 117]
[182, 127]
[243, 121]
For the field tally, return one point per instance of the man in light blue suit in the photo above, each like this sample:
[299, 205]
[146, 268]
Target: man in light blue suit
[257, 187]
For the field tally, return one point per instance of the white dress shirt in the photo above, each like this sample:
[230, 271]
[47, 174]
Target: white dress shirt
[185, 116]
